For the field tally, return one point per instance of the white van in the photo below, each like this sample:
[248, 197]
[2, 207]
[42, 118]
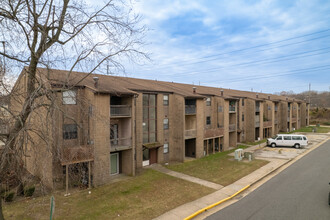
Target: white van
[290, 140]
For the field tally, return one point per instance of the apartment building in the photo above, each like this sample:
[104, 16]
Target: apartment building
[99, 126]
[4, 119]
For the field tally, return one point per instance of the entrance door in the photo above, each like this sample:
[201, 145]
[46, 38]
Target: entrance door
[114, 163]
[153, 156]
[146, 157]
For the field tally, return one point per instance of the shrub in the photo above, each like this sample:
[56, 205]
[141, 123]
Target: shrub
[29, 190]
[9, 196]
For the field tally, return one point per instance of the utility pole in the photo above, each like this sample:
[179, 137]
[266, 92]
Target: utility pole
[309, 93]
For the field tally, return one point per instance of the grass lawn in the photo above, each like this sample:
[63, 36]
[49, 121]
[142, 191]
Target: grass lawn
[310, 129]
[218, 168]
[256, 142]
[145, 196]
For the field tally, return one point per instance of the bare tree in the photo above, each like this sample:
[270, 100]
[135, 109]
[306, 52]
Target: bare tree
[60, 34]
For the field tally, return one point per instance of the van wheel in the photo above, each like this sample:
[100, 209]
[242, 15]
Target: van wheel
[273, 145]
[297, 146]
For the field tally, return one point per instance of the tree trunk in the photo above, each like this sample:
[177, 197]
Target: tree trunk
[1, 214]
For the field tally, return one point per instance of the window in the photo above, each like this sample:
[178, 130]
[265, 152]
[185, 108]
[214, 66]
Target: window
[219, 108]
[296, 138]
[69, 97]
[287, 138]
[208, 101]
[305, 138]
[165, 123]
[242, 102]
[269, 108]
[165, 148]
[149, 118]
[279, 138]
[208, 120]
[242, 117]
[165, 100]
[70, 131]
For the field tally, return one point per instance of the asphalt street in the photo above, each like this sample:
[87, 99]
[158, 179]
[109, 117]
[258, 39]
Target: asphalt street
[298, 192]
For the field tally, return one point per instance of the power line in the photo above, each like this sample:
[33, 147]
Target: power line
[270, 60]
[266, 49]
[248, 48]
[291, 72]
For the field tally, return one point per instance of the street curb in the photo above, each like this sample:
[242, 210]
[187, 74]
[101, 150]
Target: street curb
[258, 180]
[215, 204]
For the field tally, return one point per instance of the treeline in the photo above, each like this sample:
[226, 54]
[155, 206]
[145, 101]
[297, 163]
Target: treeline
[317, 99]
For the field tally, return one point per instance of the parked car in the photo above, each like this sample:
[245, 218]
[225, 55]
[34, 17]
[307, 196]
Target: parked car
[289, 140]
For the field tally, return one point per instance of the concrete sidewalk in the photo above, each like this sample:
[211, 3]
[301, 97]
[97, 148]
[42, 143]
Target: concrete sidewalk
[209, 184]
[187, 209]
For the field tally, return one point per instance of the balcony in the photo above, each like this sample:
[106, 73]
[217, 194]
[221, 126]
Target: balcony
[267, 124]
[120, 111]
[4, 130]
[70, 155]
[232, 127]
[188, 134]
[294, 119]
[190, 109]
[209, 133]
[119, 144]
[232, 109]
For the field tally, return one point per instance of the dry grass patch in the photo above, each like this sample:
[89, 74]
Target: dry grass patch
[143, 197]
[218, 168]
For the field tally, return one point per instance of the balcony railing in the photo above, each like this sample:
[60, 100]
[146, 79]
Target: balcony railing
[121, 144]
[216, 132]
[190, 133]
[190, 109]
[294, 119]
[232, 127]
[79, 154]
[267, 124]
[232, 109]
[120, 111]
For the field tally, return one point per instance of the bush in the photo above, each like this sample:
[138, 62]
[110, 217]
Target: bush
[9, 196]
[2, 192]
[28, 191]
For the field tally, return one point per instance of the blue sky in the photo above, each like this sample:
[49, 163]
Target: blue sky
[267, 46]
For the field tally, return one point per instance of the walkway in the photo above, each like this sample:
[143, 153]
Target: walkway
[162, 169]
